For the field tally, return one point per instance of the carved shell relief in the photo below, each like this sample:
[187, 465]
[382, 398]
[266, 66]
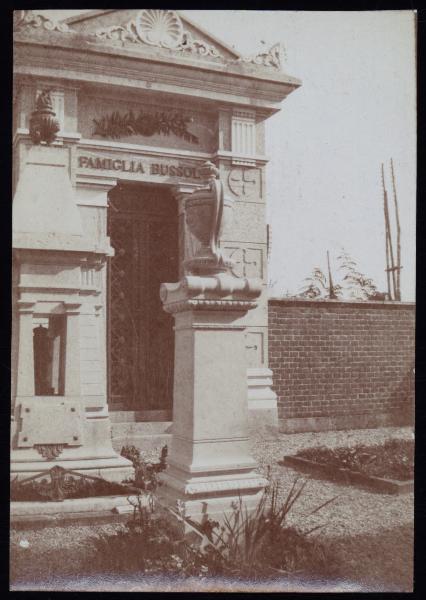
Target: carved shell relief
[154, 27]
[161, 28]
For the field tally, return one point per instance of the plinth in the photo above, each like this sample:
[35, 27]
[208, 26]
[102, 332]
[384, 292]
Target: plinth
[210, 465]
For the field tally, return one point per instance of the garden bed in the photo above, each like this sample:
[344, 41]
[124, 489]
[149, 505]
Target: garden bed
[387, 468]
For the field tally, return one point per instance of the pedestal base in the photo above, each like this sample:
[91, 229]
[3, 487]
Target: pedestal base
[262, 400]
[211, 496]
[95, 456]
[115, 469]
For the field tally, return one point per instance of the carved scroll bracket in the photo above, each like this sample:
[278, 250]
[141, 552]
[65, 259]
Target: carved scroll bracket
[274, 57]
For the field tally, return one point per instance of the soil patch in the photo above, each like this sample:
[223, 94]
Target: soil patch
[392, 460]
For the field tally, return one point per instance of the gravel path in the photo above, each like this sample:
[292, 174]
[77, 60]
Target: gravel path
[355, 511]
[362, 525]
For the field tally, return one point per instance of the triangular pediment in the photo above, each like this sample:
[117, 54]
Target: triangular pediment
[158, 29]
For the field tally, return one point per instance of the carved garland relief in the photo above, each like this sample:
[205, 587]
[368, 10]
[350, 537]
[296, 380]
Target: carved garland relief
[115, 125]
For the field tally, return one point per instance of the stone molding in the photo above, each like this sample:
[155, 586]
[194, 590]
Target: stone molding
[25, 307]
[158, 28]
[268, 97]
[219, 486]
[325, 303]
[220, 292]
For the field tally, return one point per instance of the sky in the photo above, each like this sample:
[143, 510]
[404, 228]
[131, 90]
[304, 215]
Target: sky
[356, 108]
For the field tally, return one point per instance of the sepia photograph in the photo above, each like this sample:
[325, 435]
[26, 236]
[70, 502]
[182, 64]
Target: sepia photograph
[213, 300]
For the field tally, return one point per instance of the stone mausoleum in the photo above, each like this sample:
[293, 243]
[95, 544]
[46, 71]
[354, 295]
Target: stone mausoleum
[139, 165]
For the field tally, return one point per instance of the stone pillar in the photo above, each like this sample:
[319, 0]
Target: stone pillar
[210, 465]
[25, 366]
[72, 351]
[57, 266]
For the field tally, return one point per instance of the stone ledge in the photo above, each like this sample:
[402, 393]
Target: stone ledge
[106, 507]
[350, 421]
[325, 303]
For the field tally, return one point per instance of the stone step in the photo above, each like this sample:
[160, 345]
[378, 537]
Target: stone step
[141, 428]
[139, 416]
[145, 443]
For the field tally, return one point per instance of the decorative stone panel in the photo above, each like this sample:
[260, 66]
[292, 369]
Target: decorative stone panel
[255, 348]
[51, 275]
[243, 137]
[38, 415]
[248, 262]
[245, 182]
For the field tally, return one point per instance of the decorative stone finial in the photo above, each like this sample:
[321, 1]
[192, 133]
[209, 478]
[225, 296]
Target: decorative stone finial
[43, 123]
[209, 171]
[44, 102]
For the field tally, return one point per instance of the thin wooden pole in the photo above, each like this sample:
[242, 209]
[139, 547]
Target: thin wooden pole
[387, 240]
[331, 293]
[388, 237]
[398, 236]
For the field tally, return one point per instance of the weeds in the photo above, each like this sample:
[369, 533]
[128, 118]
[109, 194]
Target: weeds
[393, 459]
[250, 545]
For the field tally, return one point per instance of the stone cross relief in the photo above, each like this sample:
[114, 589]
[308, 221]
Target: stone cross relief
[245, 263]
[243, 182]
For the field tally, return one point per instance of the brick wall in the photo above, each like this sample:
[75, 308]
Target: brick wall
[341, 365]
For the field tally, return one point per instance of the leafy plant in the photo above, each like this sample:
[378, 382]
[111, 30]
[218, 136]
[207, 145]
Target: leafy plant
[393, 459]
[353, 284]
[145, 472]
[318, 286]
[360, 286]
[251, 545]
[261, 544]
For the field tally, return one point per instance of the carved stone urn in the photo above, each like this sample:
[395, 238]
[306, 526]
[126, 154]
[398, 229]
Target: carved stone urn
[43, 122]
[207, 212]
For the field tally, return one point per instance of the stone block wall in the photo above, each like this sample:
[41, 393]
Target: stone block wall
[342, 365]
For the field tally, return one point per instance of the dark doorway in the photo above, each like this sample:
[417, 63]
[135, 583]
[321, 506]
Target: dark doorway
[143, 228]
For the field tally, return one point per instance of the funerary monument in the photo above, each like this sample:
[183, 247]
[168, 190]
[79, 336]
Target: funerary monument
[140, 244]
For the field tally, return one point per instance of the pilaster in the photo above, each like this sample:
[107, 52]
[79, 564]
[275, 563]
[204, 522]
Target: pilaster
[25, 378]
[72, 350]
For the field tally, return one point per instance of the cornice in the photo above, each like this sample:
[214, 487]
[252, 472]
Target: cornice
[138, 149]
[238, 84]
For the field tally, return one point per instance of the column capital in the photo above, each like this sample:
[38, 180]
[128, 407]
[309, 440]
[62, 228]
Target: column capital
[183, 190]
[72, 308]
[25, 307]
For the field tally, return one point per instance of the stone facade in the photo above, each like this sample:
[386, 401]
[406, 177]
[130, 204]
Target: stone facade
[136, 101]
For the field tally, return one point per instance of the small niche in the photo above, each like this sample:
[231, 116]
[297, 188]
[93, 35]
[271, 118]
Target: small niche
[49, 356]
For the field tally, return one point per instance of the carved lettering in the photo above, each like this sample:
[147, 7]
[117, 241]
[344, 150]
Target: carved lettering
[133, 166]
